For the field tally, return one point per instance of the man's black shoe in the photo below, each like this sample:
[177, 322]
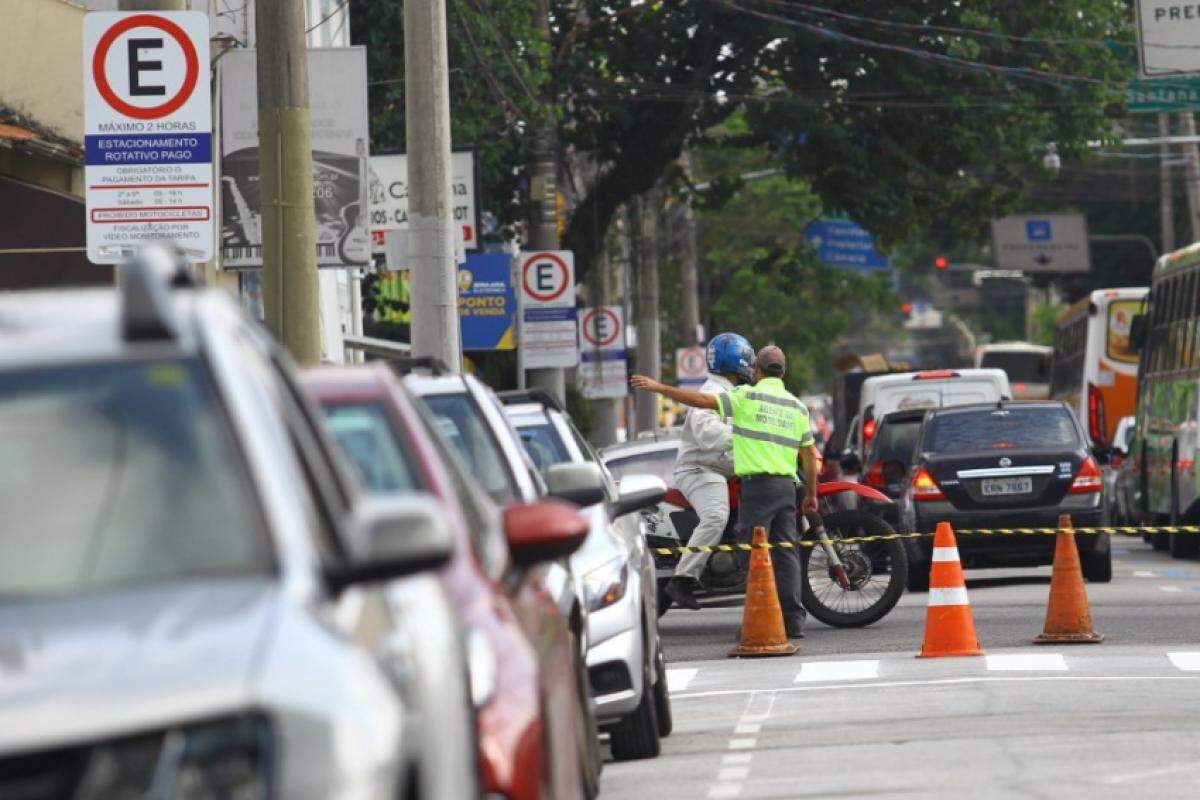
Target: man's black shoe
[794, 630]
[680, 590]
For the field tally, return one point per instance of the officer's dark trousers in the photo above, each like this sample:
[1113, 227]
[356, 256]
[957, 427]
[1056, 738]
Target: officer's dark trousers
[770, 501]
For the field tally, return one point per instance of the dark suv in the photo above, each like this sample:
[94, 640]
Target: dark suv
[1006, 465]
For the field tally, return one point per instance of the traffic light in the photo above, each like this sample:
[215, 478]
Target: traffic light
[941, 262]
[906, 308]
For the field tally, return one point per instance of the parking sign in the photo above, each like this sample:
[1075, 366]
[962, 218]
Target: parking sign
[147, 133]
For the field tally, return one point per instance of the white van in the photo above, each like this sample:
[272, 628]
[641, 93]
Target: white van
[902, 391]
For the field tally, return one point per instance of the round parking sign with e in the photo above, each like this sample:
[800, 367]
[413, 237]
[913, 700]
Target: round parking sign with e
[145, 67]
[545, 277]
[691, 362]
[601, 327]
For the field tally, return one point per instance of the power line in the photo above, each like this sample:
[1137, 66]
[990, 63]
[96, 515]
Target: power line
[327, 17]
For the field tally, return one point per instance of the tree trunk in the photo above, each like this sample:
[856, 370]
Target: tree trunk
[644, 216]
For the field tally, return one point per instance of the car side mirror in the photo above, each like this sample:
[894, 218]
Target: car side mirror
[636, 492]
[850, 462]
[581, 484]
[543, 531]
[391, 537]
[1137, 332]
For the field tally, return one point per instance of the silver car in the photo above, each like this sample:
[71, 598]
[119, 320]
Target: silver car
[615, 574]
[193, 598]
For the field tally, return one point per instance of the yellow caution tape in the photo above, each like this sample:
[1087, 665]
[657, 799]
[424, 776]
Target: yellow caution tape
[892, 537]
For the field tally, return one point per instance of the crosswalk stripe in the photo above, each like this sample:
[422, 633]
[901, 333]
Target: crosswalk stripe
[679, 678]
[1170, 589]
[1186, 662]
[837, 671]
[1027, 662]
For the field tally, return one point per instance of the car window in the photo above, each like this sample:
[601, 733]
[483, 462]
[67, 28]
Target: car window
[117, 474]
[895, 440]
[660, 463]
[373, 446]
[1012, 427]
[543, 445]
[460, 421]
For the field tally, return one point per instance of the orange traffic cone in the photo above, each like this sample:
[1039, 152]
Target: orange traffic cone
[763, 633]
[949, 627]
[1068, 616]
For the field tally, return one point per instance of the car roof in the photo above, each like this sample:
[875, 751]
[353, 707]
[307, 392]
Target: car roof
[1007, 405]
[528, 413]
[965, 373]
[346, 382]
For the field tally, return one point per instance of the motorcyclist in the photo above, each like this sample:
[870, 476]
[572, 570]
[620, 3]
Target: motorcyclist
[705, 461]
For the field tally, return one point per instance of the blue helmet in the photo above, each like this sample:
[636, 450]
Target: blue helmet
[731, 353]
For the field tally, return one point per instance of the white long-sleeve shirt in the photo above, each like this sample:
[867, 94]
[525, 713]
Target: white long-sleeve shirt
[707, 438]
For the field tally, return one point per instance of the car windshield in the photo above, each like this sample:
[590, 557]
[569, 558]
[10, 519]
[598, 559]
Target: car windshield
[370, 441]
[120, 474]
[460, 421]
[1012, 427]
[895, 440]
[660, 463]
[1021, 367]
[543, 445]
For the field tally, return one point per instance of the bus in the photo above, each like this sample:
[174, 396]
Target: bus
[1164, 440]
[1027, 366]
[1094, 368]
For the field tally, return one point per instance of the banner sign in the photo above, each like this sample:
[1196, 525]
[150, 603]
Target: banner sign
[603, 370]
[337, 86]
[389, 197]
[147, 133]
[487, 303]
[547, 294]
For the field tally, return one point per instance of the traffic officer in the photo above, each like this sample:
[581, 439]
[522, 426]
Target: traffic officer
[770, 431]
[705, 461]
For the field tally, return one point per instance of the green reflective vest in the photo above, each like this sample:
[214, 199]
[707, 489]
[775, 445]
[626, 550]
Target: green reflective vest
[769, 428]
[393, 297]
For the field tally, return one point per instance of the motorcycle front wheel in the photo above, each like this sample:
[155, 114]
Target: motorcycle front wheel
[877, 572]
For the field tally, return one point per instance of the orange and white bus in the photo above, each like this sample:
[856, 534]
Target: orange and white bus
[1095, 366]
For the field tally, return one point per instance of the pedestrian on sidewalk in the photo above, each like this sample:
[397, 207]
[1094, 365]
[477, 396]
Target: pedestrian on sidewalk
[771, 431]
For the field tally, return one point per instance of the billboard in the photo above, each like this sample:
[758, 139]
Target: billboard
[388, 190]
[337, 86]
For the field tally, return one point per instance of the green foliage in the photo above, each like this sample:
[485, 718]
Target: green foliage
[1043, 319]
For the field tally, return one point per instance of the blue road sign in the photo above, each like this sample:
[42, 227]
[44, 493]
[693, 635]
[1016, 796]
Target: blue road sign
[842, 243]
[1039, 230]
[487, 303]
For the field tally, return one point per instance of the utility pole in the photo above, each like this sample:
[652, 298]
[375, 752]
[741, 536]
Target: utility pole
[689, 305]
[432, 275]
[289, 275]
[644, 210]
[543, 197]
[1192, 173]
[1166, 196]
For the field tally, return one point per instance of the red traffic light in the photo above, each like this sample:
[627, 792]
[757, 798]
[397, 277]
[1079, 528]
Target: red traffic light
[906, 308]
[941, 262]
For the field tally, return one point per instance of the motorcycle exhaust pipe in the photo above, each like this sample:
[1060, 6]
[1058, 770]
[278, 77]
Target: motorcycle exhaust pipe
[836, 569]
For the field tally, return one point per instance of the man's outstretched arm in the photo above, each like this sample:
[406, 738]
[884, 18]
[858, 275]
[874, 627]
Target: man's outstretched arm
[685, 396]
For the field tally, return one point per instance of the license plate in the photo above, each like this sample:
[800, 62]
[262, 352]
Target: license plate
[995, 487]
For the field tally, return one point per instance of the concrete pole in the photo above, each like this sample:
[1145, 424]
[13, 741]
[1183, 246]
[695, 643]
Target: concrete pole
[289, 274]
[1192, 173]
[543, 197]
[1166, 195]
[435, 326]
[645, 217]
[689, 305]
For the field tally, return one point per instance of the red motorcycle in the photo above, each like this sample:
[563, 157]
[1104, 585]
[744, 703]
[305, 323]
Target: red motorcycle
[846, 584]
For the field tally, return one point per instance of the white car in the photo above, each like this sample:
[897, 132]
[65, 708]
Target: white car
[195, 595]
[615, 574]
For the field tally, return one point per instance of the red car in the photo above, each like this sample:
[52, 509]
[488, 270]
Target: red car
[532, 719]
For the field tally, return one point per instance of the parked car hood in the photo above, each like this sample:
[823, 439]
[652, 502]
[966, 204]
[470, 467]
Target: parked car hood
[92, 666]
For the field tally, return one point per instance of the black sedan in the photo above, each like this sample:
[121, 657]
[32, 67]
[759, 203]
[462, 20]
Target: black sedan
[1007, 465]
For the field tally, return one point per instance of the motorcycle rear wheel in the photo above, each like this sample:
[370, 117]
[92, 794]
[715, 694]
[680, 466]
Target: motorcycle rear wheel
[878, 572]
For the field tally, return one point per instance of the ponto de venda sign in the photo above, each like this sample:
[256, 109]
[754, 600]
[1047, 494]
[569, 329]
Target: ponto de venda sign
[147, 112]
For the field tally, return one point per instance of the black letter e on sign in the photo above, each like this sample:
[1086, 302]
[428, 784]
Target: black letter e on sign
[137, 67]
[545, 277]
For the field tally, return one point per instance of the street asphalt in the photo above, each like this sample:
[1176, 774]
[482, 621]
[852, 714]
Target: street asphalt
[854, 714]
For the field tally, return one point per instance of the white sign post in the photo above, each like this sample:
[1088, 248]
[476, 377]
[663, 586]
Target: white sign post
[547, 297]
[1167, 37]
[602, 353]
[691, 367]
[147, 125]
[1042, 243]
[389, 197]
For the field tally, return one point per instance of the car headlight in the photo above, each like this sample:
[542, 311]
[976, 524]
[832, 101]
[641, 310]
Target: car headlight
[606, 584]
[481, 668]
[228, 757]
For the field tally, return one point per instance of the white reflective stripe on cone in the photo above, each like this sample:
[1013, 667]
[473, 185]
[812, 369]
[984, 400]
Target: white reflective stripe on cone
[948, 597]
[945, 554]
